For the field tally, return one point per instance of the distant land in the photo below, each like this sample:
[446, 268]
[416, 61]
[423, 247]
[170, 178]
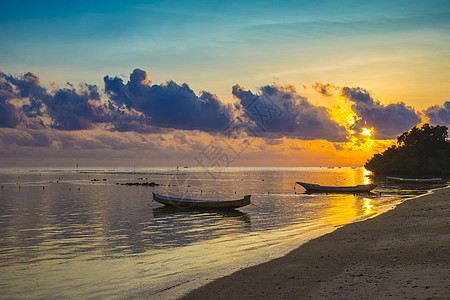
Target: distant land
[420, 151]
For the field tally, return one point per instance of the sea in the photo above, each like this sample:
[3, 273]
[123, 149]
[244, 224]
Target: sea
[96, 233]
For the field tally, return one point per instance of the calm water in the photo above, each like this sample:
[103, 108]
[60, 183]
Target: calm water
[82, 234]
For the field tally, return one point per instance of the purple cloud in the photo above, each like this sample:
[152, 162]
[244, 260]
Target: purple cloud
[169, 105]
[9, 115]
[141, 106]
[439, 115]
[388, 121]
[279, 112]
[67, 108]
[71, 110]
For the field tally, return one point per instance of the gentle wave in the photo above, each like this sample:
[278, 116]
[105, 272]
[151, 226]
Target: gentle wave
[65, 235]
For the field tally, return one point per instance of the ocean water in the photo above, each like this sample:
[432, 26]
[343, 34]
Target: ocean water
[83, 233]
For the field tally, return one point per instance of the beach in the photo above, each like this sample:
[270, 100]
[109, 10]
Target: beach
[403, 253]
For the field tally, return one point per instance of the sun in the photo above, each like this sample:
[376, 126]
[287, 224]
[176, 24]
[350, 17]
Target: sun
[366, 131]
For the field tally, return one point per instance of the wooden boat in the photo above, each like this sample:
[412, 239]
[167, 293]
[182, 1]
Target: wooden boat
[191, 203]
[419, 180]
[362, 188]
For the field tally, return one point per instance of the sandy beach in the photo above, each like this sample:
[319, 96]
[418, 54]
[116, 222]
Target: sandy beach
[403, 253]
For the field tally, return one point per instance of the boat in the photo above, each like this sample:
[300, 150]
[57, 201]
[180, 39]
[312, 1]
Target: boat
[419, 180]
[362, 188]
[191, 203]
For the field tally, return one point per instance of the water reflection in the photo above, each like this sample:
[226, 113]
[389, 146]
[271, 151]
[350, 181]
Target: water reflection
[76, 225]
[232, 214]
[368, 206]
[175, 227]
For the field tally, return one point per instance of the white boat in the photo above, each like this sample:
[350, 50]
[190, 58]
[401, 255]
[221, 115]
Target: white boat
[426, 180]
[361, 188]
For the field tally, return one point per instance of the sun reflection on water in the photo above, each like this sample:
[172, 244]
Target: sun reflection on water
[366, 174]
[368, 206]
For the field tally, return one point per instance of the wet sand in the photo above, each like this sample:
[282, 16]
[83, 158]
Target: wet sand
[403, 253]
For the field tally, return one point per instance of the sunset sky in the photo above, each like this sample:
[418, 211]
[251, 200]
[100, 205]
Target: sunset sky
[218, 83]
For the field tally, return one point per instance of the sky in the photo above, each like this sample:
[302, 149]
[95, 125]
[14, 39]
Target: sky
[214, 83]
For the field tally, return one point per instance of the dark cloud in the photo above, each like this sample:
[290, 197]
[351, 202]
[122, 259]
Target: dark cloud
[388, 121]
[280, 111]
[93, 92]
[439, 115]
[140, 106]
[34, 123]
[323, 89]
[135, 106]
[29, 87]
[33, 109]
[71, 110]
[9, 115]
[117, 91]
[169, 105]
[67, 108]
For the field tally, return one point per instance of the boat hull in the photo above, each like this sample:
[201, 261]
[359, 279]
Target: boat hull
[418, 180]
[191, 203]
[362, 188]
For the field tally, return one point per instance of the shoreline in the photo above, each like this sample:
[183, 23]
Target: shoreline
[403, 253]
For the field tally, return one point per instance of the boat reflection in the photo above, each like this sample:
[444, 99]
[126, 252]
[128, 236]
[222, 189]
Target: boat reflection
[232, 214]
[369, 194]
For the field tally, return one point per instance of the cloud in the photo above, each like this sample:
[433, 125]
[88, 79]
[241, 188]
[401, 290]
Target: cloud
[180, 138]
[138, 106]
[14, 112]
[28, 87]
[323, 89]
[117, 91]
[67, 108]
[141, 106]
[26, 138]
[282, 112]
[439, 115]
[274, 142]
[9, 115]
[71, 110]
[169, 105]
[388, 121]
[55, 140]
[338, 147]
[297, 148]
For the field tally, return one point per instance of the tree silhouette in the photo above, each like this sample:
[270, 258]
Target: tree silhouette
[421, 150]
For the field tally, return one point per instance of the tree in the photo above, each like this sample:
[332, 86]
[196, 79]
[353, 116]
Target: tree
[421, 150]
